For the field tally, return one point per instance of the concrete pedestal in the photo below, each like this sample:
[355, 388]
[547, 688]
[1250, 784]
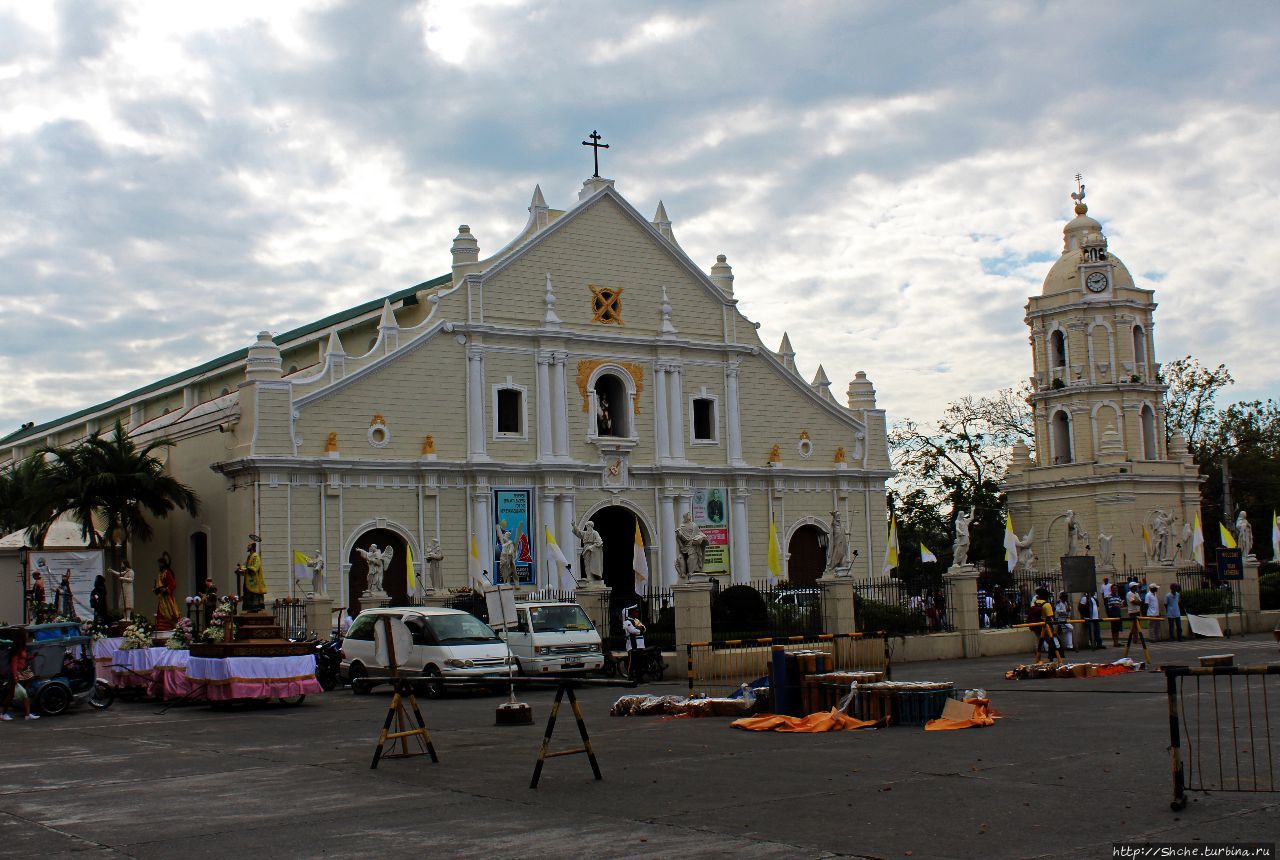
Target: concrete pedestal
[594, 600]
[439, 598]
[693, 612]
[318, 612]
[963, 581]
[837, 605]
[1250, 596]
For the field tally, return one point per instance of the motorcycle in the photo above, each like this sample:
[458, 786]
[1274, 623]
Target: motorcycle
[328, 659]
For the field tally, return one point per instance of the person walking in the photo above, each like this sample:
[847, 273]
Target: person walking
[1152, 604]
[1041, 614]
[1088, 606]
[1133, 605]
[15, 673]
[1173, 610]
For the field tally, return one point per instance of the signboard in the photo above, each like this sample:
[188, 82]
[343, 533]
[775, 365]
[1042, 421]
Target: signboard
[1079, 573]
[86, 565]
[513, 512]
[500, 600]
[1230, 563]
[711, 515]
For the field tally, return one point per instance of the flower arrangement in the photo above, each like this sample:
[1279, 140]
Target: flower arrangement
[95, 631]
[222, 619]
[181, 636]
[136, 635]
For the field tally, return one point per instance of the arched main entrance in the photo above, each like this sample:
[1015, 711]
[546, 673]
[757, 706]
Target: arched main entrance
[617, 527]
[807, 556]
[394, 581]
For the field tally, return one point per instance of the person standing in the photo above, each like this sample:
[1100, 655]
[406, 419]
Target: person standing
[98, 600]
[15, 673]
[1114, 604]
[1062, 614]
[1089, 612]
[634, 629]
[1152, 602]
[166, 587]
[1173, 610]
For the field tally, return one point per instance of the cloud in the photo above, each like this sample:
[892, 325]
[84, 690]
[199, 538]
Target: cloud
[889, 182]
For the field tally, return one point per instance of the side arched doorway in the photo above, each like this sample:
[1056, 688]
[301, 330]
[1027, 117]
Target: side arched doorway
[394, 581]
[617, 528]
[807, 556]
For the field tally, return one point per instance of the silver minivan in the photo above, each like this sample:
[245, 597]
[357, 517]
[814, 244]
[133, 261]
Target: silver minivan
[447, 643]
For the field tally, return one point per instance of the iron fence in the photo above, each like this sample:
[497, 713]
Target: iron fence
[657, 612]
[291, 615]
[1220, 735]
[765, 610]
[1005, 600]
[904, 606]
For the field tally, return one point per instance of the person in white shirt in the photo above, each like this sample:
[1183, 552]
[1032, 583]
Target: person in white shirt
[1062, 612]
[1153, 610]
[1089, 612]
[633, 627]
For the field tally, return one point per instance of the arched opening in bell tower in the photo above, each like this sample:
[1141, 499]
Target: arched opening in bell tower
[1057, 349]
[1140, 352]
[1060, 427]
[1149, 450]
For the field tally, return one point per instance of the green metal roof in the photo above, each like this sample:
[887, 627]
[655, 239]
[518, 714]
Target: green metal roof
[238, 355]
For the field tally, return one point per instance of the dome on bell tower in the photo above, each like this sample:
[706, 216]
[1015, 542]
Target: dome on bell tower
[1082, 242]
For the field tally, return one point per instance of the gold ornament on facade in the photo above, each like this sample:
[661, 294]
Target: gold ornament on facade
[606, 305]
[429, 444]
[588, 367]
[775, 454]
[377, 419]
[331, 444]
[839, 458]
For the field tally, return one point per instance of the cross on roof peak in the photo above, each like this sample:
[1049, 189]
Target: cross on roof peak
[596, 146]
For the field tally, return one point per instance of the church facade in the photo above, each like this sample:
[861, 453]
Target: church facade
[1097, 402]
[587, 371]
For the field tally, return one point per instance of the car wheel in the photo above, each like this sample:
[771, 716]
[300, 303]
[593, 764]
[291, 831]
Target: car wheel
[432, 690]
[357, 673]
[102, 696]
[293, 701]
[53, 699]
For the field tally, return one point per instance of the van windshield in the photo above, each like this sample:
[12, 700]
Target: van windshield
[457, 629]
[559, 619]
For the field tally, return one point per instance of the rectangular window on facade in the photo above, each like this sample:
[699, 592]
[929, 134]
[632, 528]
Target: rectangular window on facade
[510, 411]
[704, 419]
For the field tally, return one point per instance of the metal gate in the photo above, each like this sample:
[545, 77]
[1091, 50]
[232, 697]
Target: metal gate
[1220, 736]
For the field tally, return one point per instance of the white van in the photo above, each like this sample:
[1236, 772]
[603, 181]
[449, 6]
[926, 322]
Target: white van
[446, 643]
[554, 638]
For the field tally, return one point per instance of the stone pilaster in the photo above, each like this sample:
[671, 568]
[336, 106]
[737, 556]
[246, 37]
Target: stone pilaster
[837, 605]
[693, 612]
[963, 580]
[318, 612]
[1250, 597]
[594, 600]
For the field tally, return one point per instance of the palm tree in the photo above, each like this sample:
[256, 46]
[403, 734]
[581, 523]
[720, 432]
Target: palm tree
[109, 479]
[26, 501]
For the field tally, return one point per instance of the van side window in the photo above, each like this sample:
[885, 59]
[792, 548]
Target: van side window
[418, 627]
[361, 628]
[522, 624]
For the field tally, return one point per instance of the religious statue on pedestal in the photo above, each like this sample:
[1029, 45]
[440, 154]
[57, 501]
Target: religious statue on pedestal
[1026, 555]
[254, 588]
[166, 586]
[1161, 529]
[377, 560]
[435, 574]
[691, 544]
[506, 557]
[960, 549]
[1105, 556]
[1244, 535]
[592, 552]
[124, 577]
[315, 564]
[839, 547]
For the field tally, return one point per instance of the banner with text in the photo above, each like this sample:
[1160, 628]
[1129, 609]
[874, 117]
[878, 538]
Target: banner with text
[709, 513]
[513, 512]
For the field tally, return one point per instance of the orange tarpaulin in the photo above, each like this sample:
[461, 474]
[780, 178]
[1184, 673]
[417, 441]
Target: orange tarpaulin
[835, 721]
[983, 715]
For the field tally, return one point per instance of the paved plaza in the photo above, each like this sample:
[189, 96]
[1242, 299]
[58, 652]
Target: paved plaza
[1076, 765]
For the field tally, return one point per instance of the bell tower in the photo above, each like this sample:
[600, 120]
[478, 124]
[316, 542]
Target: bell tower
[1097, 402]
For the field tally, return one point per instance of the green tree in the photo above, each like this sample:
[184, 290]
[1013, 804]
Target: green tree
[1190, 401]
[25, 500]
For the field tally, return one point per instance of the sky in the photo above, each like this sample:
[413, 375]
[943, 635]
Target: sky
[889, 181]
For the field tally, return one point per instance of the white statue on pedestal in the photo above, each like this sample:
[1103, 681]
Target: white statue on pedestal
[592, 552]
[506, 557]
[691, 543]
[315, 563]
[1161, 529]
[839, 547]
[435, 555]
[1026, 555]
[124, 578]
[1105, 557]
[377, 561]
[1244, 534]
[960, 549]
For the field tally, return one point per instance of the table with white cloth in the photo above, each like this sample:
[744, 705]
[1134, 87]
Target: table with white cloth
[104, 653]
[159, 672]
[226, 678]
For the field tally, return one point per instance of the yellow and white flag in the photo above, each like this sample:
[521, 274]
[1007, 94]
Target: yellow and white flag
[410, 579]
[300, 569]
[640, 563]
[1010, 543]
[1228, 539]
[1146, 540]
[1197, 541]
[474, 569]
[891, 551]
[925, 555]
[1275, 537]
[564, 575]
[774, 560]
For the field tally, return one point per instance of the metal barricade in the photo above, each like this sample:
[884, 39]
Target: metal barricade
[721, 668]
[1220, 736]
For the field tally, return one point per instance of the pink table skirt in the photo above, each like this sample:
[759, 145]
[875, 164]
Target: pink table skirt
[149, 669]
[228, 678]
[104, 652]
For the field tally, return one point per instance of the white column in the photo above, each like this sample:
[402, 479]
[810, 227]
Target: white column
[482, 522]
[560, 408]
[545, 446]
[475, 405]
[675, 413]
[546, 576]
[564, 536]
[667, 539]
[740, 537]
[732, 415]
[662, 444]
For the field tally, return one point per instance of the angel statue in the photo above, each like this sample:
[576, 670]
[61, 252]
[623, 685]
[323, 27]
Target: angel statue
[377, 561]
[1025, 553]
[1105, 556]
[960, 549]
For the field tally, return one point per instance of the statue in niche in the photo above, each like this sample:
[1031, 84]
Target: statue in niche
[960, 549]
[435, 558]
[839, 547]
[604, 423]
[377, 561]
[691, 545]
[1244, 534]
[592, 552]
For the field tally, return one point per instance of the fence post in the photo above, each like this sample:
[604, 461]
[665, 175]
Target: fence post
[837, 605]
[318, 615]
[693, 612]
[1250, 596]
[963, 580]
[594, 600]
